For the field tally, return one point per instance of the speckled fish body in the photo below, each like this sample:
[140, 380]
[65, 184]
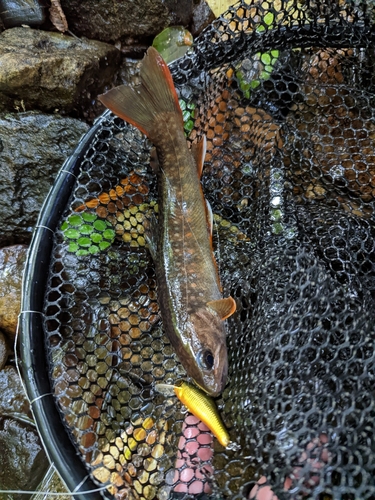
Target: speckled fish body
[189, 292]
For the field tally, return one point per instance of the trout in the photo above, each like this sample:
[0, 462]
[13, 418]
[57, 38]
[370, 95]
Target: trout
[191, 304]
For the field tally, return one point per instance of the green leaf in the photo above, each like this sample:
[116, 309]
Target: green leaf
[84, 242]
[109, 234]
[182, 104]
[104, 244]
[94, 249]
[266, 58]
[82, 252]
[173, 42]
[269, 18]
[100, 225]
[96, 237]
[189, 125]
[73, 246]
[86, 229]
[72, 234]
[87, 217]
[75, 220]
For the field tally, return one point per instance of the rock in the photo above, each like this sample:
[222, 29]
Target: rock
[33, 146]
[18, 12]
[129, 71]
[23, 461]
[22, 458]
[12, 262]
[3, 351]
[202, 17]
[133, 47]
[53, 72]
[180, 11]
[109, 21]
[13, 400]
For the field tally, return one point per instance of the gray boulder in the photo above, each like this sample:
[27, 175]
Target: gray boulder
[23, 461]
[53, 72]
[108, 21]
[33, 146]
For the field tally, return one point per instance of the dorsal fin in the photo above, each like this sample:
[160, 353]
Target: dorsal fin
[199, 153]
[223, 307]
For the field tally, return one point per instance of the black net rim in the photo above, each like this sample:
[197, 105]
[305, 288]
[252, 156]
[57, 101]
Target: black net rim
[56, 441]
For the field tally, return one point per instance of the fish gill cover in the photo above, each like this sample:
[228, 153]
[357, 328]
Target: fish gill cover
[284, 92]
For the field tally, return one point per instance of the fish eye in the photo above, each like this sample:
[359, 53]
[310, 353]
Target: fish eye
[206, 359]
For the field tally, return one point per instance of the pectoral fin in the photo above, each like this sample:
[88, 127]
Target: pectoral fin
[223, 307]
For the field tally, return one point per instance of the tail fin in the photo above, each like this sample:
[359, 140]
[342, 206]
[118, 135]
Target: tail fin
[141, 105]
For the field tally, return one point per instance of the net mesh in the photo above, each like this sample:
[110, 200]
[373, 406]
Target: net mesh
[284, 92]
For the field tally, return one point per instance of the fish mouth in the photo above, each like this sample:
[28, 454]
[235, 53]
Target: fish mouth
[211, 391]
[213, 382]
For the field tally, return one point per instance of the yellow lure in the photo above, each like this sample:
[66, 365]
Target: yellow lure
[204, 408]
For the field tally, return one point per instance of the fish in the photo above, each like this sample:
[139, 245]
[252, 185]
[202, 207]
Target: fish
[190, 298]
[201, 406]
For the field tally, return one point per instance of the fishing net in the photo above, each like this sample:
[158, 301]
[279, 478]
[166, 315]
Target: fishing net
[284, 93]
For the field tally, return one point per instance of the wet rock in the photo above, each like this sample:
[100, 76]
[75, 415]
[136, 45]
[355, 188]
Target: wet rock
[3, 351]
[202, 17]
[23, 461]
[133, 47]
[107, 20]
[129, 71]
[13, 400]
[33, 146]
[53, 72]
[22, 458]
[18, 12]
[12, 262]
[180, 11]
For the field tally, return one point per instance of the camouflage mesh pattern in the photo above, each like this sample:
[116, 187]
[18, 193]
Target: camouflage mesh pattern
[284, 92]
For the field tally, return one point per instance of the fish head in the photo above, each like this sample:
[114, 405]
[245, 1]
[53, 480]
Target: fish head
[208, 360]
